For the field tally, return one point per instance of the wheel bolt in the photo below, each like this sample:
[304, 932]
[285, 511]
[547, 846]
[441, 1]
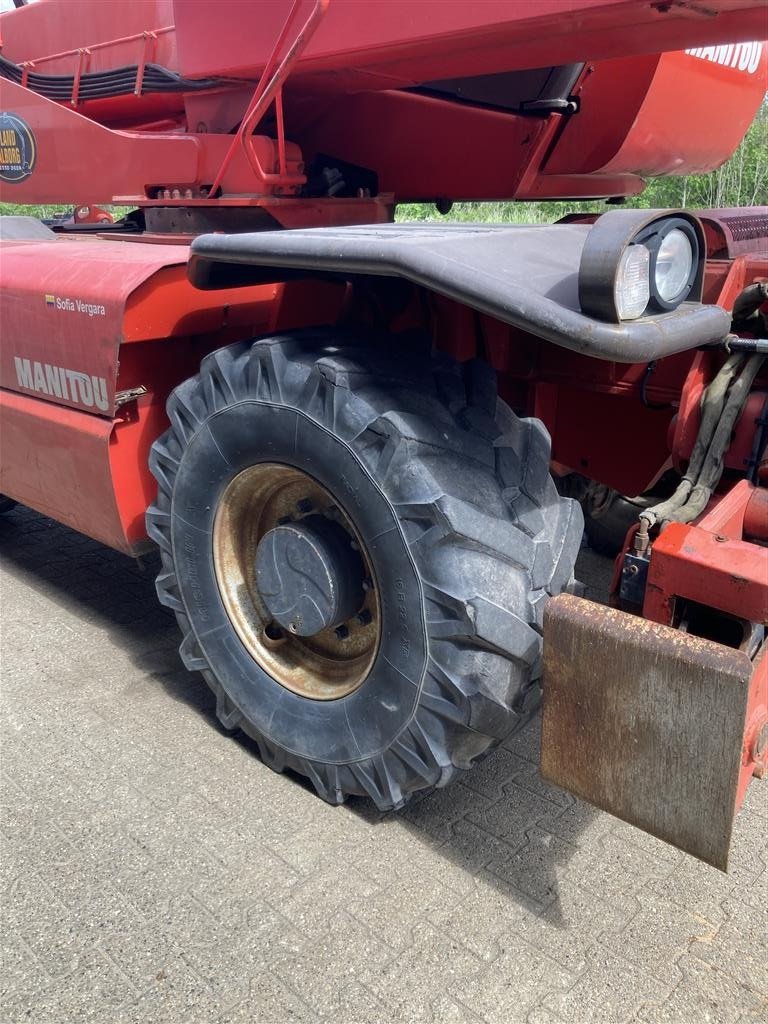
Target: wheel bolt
[305, 505]
[367, 584]
[342, 632]
[363, 618]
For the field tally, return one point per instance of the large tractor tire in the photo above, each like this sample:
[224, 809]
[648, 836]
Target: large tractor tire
[358, 544]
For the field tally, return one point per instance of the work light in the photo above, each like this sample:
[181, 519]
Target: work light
[640, 263]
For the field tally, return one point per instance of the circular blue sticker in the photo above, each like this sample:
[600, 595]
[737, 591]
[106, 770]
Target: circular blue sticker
[18, 150]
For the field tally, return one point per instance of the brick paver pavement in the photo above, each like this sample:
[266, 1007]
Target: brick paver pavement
[154, 870]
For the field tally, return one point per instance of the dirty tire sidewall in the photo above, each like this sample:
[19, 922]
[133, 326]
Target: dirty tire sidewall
[364, 723]
[452, 497]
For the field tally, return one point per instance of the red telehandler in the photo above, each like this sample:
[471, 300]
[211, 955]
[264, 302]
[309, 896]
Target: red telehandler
[336, 428]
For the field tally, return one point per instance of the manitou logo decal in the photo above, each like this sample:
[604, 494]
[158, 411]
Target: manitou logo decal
[74, 306]
[59, 382]
[743, 56]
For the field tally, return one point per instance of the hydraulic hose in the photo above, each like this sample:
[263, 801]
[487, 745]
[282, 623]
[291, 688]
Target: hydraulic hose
[721, 407]
[712, 405]
[712, 470]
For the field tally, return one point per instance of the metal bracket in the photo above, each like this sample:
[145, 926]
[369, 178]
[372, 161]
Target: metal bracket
[129, 395]
[634, 576]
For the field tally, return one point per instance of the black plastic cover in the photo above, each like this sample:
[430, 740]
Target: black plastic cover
[524, 275]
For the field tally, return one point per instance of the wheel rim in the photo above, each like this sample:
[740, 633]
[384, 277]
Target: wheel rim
[271, 499]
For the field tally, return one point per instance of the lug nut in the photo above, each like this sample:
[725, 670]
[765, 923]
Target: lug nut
[363, 618]
[367, 584]
[305, 505]
[342, 632]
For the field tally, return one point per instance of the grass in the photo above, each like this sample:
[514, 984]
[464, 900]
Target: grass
[42, 212]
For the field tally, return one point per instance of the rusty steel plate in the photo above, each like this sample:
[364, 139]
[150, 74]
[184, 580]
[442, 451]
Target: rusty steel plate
[644, 722]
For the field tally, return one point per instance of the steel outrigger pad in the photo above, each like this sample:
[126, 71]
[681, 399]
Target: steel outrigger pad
[647, 723]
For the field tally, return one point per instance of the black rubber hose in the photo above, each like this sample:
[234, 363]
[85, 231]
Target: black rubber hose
[712, 469]
[712, 405]
[103, 84]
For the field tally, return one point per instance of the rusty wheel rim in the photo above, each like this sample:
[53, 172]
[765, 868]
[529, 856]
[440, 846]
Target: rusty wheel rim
[333, 662]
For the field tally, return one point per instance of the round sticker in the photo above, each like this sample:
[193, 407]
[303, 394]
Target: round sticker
[18, 151]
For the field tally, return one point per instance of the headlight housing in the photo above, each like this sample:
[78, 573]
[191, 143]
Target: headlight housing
[641, 262]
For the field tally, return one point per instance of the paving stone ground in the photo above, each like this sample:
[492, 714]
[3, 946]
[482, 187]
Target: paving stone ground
[153, 870]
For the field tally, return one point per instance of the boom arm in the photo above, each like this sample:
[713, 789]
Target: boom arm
[547, 99]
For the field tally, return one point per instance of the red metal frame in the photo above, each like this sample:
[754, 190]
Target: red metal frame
[269, 90]
[711, 563]
[347, 95]
[81, 54]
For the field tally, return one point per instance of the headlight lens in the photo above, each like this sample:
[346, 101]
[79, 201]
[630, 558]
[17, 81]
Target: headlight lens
[638, 263]
[632, 290]
[674, 262]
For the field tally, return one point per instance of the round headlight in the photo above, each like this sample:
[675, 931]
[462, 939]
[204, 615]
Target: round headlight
[632, 290]
[637, 263]
[674, 263]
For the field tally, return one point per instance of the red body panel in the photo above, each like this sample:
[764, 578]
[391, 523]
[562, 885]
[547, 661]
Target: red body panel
[666, 111]
[60, 310]
[639, 113]
[58, 459]
[390, 43]
[396, 41]
[68, 307]
[72, 447]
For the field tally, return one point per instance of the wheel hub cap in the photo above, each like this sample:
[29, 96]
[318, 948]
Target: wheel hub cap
[296, 581]
[308, 575]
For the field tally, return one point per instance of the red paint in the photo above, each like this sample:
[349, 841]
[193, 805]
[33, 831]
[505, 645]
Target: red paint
[350, 66]
[712, 563]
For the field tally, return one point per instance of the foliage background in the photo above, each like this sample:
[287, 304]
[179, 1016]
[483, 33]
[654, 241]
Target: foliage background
[741, 181]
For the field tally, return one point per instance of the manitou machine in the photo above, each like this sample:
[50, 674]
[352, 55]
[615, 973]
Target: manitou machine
[336, 428]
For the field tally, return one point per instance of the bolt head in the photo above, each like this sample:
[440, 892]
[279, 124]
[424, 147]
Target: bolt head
[305, 505]
[342, 632]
